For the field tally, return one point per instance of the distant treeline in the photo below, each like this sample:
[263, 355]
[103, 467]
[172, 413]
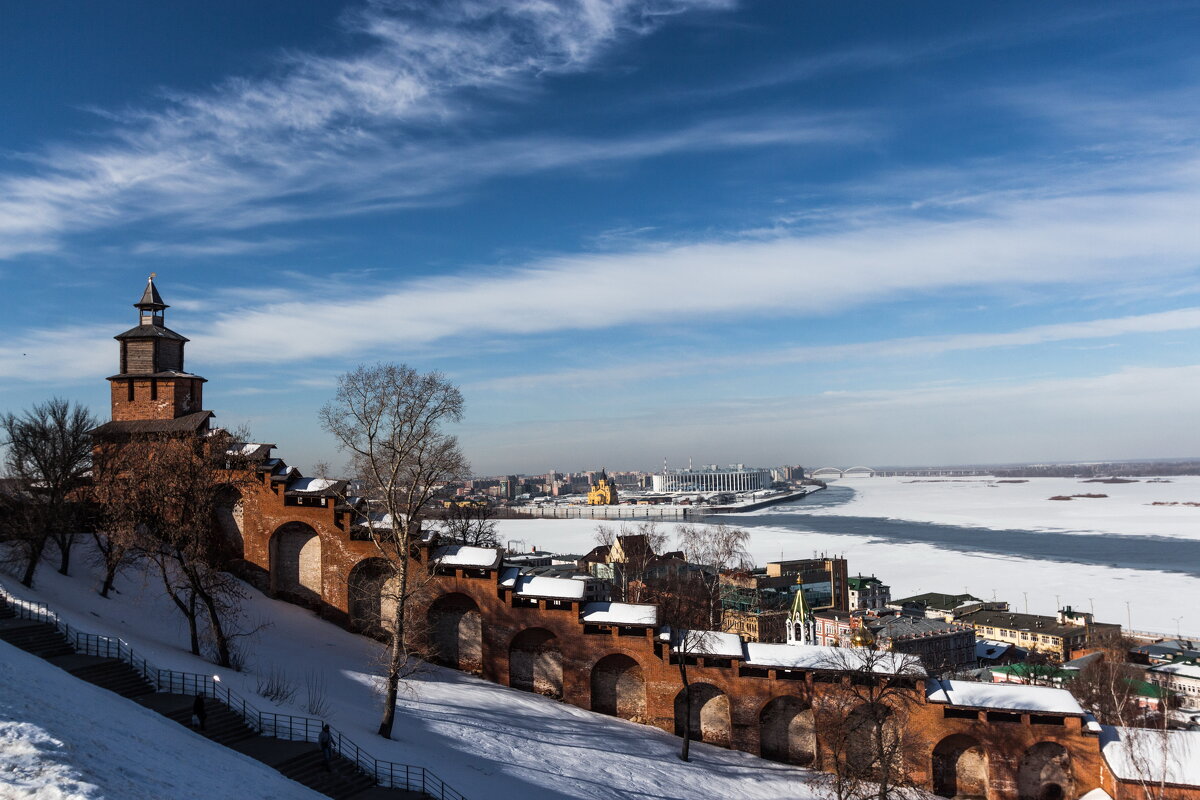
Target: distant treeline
[1121, 468]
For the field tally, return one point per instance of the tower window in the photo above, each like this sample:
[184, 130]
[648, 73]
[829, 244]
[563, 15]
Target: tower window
[153, 389]
[129, 384]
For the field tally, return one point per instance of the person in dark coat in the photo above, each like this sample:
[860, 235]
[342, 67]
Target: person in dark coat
[198, 713]
[326, 742]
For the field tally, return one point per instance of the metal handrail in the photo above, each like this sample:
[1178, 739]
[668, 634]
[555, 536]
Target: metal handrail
[387, 774]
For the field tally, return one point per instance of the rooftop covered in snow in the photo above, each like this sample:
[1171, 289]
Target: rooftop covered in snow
[538, 586]
[461, 555]
[705, 643]
[1146, 754]
[314, 486]
[1003, 697]
[803, 656]
[620, 614]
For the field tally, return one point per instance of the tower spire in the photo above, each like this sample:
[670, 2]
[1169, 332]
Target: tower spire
[151, 306]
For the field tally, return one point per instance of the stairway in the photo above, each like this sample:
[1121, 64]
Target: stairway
[220, 724]
[341, 780]
[300, 761]
[40, 638]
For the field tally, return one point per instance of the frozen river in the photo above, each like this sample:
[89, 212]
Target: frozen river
[1132, 556]
[1136, 551]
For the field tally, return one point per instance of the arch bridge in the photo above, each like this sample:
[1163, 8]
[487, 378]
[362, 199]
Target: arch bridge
[843, 472]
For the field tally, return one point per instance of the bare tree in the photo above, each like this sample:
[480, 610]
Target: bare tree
[685, 609]
[862, 720]
[158, 498]
[49, 454]
[1111, 689]
[715, 549]
[471, 523]
[391, 419]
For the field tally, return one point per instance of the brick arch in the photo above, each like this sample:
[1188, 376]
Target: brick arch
[296, 562]
[619, 687]
[859, 737]
[787, 731]
[711, 720]
[367, 596]
[960, 768]
[456, 632]
[1045, 773]
[535, 662]
[228, 508]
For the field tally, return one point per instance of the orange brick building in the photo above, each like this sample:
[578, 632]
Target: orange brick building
[299, 541]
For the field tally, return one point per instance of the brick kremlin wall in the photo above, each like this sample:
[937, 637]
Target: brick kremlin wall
[486, 628]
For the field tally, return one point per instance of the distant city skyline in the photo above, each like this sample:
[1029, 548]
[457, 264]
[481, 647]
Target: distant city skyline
[767, 233]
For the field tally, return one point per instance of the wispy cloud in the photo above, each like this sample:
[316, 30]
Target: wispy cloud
[1082, 240]
[1184, 319]
[1079, 240]
[342, 134]
[218, 246]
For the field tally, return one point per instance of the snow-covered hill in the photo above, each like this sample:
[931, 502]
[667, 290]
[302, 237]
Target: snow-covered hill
[64, 739]
[485, 741]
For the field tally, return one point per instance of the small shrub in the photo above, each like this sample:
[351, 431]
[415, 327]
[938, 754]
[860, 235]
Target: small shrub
[316, 699]
[277, 686]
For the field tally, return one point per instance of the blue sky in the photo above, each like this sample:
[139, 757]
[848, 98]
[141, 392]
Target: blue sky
[776, 232]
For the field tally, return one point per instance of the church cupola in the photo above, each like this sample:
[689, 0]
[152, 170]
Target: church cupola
[152, 383]
[151, 306]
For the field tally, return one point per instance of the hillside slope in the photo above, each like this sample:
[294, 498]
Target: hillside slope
[64, 739]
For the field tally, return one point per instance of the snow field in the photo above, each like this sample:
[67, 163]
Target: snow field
[986, 503]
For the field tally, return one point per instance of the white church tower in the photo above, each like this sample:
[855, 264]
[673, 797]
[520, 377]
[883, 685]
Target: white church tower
[801, 626]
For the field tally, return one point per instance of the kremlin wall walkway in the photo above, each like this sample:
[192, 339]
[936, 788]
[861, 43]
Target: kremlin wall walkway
[283, 742]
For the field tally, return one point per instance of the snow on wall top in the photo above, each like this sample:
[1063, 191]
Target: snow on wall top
[461, 555]
[803, 656]
[707, 643]
[311, 484]
[1152, 755]
[620, 614]
[1003, 696]
[555, 588]
[1096, 794]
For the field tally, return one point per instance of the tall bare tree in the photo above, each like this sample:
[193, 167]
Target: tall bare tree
[158, 498]
[717, 549]
[684, 607]
[688, 600]
[862, 722]
[392, 421]
[49, 453]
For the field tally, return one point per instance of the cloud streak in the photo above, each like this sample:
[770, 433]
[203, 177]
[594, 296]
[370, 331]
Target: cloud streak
[1183, 319]
[259, 151]
[1085, 240]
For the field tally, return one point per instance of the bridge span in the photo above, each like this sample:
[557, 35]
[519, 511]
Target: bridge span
[916, 472]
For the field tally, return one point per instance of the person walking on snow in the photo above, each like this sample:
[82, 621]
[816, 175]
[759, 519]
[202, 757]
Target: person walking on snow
[198, 712]
[326, 742]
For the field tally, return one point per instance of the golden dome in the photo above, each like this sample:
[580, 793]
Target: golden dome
[862, 637]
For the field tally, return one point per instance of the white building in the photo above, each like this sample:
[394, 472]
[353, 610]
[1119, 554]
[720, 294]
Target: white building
[734, 478]
[868, 593]
[1182, 678]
